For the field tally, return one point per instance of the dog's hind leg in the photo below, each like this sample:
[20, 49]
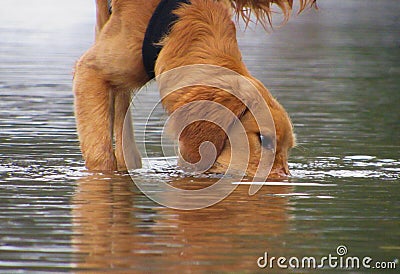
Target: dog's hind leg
[94, 112]
[123, 131]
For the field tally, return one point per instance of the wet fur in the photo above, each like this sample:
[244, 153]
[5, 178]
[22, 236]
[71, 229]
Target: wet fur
[205, 34]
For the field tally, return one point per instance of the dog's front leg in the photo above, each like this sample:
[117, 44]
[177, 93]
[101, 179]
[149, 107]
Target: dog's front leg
[94, 112]
[126, 151]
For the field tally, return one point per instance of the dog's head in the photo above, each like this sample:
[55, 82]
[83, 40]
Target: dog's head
[263, 137]
[217, 131]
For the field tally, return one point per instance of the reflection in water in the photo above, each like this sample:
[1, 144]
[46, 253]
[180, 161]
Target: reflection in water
[117, 227]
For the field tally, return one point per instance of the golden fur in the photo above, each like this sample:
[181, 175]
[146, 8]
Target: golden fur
[262, 9]
[204, 34]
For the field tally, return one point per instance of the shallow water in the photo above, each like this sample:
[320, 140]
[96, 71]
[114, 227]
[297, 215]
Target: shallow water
[336, 71]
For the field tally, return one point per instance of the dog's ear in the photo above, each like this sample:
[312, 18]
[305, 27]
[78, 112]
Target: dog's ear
[200, 143]
[200, 117]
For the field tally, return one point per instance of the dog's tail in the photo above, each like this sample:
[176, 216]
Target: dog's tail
[262, 9]
[102, 14]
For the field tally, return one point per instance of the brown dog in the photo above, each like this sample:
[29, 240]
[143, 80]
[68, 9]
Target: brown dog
[203, 34]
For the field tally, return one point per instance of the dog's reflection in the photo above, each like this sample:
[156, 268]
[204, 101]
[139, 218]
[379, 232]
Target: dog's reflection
[117, 227]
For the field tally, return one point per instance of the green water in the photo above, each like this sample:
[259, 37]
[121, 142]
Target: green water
[336, 71]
